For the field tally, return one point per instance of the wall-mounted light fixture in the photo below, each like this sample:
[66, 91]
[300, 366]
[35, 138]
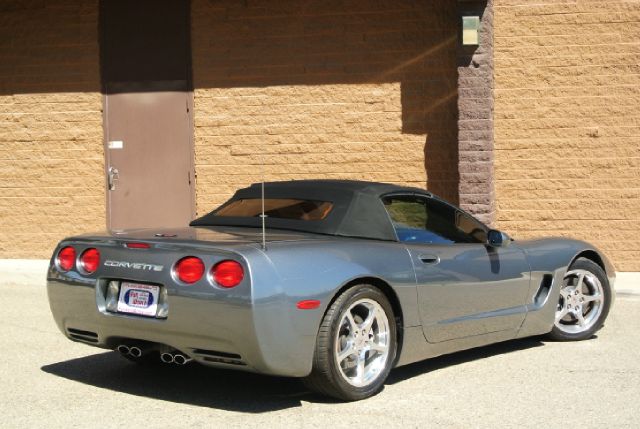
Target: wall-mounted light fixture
[470, 28]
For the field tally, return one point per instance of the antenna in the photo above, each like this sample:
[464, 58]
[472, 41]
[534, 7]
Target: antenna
[262, 215]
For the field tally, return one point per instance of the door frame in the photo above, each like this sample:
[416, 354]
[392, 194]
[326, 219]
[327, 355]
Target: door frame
[184, 85]
[136, 87]
[414, 248]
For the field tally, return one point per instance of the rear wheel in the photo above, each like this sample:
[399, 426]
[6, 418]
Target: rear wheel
[583, 305]
[356, 345]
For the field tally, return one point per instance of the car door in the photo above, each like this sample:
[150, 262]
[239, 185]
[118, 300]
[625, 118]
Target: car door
[465, 287]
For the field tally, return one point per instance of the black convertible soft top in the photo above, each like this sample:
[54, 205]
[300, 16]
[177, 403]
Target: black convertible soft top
[357, 210]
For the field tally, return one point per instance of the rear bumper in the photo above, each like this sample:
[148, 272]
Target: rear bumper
[231, 333]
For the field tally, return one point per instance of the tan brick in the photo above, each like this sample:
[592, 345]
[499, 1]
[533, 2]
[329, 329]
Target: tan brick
[567, 122]
[51, 159]
[360, 93]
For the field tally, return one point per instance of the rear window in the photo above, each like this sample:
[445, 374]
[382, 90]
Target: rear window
[283, 208]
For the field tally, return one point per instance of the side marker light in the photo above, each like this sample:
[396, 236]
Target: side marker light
[308, 304]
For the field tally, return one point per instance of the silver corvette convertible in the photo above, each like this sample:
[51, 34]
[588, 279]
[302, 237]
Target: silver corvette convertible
[335, 282]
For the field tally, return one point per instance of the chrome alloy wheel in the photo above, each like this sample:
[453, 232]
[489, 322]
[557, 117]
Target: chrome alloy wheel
[363, 342]
[581, 302]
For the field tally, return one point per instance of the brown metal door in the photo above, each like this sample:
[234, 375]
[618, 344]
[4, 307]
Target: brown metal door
[149, 159]
[145, 63]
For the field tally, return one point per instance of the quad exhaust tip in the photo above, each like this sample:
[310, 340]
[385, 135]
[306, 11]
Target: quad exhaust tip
[167, 357]
[132, 351]
[181, 359]
[177, 358]
[135, 352]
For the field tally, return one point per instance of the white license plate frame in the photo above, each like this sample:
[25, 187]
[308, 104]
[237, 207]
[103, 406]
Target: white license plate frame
[138, 298]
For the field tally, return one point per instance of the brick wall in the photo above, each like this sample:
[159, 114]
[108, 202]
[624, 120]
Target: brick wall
[567, 122]
[51, 156]
[357, 89]
[476, 192]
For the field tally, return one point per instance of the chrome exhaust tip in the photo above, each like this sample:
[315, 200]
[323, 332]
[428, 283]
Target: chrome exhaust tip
[181, 359]
[124, 350]
[135, 352]
[167, 358]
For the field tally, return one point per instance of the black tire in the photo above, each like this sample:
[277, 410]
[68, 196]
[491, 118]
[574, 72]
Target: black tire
[326, 377]
[558, 334]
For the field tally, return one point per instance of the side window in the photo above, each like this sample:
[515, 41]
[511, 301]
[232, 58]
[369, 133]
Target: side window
[425, 220]
[471, 227]
[409, 217]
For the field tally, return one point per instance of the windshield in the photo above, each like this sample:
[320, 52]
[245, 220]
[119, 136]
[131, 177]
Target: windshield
[283, 208]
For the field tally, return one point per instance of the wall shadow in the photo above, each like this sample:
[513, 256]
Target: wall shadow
[52, 47]
[228, 390]
[48, 47]
[308, 43]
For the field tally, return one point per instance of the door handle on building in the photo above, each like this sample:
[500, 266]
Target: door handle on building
[112, 176]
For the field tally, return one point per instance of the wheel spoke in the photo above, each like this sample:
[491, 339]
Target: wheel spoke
[353, 326]
[580, 282]
[580, 317]
[371, 317]
[348, 351]
[592, 298]
[378, 348]
[560, 315]
[360, 367]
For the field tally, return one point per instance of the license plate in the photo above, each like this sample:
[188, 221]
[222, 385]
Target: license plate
[137, 298]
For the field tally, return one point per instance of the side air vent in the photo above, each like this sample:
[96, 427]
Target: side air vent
[543, 290]
[80, 335]
[219, 357]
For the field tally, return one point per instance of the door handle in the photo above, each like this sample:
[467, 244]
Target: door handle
[429, 259]
[112, 176]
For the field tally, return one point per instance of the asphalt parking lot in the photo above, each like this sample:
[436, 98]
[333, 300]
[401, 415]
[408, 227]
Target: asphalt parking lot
[48, 381]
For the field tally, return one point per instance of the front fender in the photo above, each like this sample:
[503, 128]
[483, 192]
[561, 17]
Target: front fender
[553, 256]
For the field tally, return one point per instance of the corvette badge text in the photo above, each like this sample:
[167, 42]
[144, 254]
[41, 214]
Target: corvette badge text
[133, 265]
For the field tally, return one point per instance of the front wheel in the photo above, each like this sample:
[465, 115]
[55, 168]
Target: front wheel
[356, 345]
[583, 305]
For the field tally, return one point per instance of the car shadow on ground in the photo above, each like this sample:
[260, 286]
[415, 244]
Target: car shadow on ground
[405, 372]
[234, 390]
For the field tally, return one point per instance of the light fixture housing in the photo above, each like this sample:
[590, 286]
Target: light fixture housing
[470, 30]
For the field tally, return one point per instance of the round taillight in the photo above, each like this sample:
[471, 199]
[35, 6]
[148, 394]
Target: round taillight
[66, 258]
[90, 260]
[227, 273]
[190, 269]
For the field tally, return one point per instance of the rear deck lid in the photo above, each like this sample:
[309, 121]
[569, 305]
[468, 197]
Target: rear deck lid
[197, 236]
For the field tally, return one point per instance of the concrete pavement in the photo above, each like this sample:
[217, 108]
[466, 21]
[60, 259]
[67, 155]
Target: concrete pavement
[48, 381]
[627, 283]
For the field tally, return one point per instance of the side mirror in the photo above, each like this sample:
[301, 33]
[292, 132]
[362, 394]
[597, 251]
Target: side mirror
[497, 238]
